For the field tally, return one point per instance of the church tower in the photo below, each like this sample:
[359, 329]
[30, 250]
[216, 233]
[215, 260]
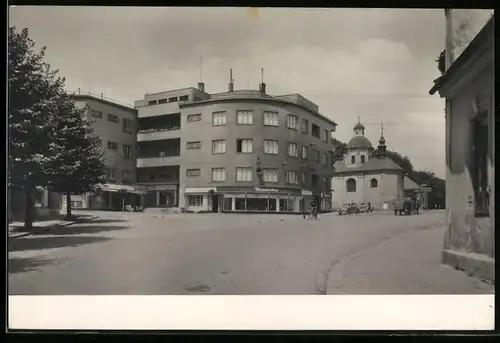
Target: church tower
[358, 148]
[382, 148]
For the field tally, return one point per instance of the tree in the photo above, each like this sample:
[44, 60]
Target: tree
[339, 151]
[403, 161]
[32, 87]
[76, 164]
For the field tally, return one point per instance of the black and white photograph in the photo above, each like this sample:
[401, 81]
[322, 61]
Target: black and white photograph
[236, 151]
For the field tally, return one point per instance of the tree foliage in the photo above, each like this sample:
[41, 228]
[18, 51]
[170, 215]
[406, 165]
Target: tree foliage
[403, 161]
[50, 142]
[339, 151]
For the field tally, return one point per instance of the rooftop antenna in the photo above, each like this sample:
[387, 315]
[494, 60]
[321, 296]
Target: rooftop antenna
[262, 86]
[382, 128]
[201, 68]
[262, 75]
[359, 120]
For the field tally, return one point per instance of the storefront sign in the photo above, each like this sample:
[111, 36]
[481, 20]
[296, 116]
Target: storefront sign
[268, 190]
[117, 188]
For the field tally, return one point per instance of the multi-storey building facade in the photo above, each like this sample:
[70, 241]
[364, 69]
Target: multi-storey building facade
[116, 126]
[240, 150]
[468, 86]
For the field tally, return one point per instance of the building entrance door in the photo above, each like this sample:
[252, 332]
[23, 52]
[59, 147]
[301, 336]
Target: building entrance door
[215, 203]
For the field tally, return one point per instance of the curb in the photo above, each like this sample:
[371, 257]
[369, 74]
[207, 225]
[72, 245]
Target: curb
[335, 272]
[49, 228]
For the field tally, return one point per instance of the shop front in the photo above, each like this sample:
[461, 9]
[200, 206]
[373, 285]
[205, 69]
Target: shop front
[161, 196]
[246, 199]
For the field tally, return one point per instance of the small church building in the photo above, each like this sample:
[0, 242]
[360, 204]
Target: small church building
[360, 178]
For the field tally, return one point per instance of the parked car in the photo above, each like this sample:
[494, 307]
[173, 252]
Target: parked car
[365, 208]
[348, 209]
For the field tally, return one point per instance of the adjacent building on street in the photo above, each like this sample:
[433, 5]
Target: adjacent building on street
[116, 126]
[240, 150]
[467, 84]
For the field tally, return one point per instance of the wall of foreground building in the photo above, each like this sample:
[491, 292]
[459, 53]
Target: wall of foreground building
[470, 239]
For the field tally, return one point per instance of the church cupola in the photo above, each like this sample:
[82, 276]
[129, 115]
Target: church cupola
[381, 149]
[359, 129]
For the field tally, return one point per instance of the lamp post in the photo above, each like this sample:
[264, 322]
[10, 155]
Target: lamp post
[123, 191]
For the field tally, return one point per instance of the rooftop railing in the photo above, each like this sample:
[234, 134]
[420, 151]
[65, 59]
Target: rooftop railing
[100, 96]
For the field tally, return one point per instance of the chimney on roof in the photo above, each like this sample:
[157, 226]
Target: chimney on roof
[201, 86]
[262, 85]
[231, 81]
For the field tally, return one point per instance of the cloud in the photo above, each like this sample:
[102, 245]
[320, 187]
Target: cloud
[375, 64]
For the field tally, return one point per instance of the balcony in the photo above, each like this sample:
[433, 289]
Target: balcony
[149, 162]
[157, 110]
[158, 134]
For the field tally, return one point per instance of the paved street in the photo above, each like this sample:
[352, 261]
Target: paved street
[136, 253]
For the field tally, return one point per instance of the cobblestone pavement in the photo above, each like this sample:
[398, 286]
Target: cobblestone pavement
[140, 253]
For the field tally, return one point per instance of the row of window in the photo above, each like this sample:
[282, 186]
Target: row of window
[126, 149]
[171, 99]
[127, 124]
[353, 159]
[126, 175]
[245, 174]
[245, 117]
[351, 184]
[245, 146]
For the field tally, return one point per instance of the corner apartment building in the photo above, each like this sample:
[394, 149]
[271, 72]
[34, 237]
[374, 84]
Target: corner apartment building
[241, 150]
[116, 126]
[468, 86]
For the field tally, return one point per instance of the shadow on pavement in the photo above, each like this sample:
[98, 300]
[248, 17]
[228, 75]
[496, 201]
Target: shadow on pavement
[22, 265]
[40, 243]
[103, 221]
[78, 229]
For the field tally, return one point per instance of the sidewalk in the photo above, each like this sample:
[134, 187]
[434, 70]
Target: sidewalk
[16, 229]
[409, 263]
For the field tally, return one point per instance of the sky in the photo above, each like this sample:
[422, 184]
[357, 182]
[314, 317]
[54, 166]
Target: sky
[375, 64]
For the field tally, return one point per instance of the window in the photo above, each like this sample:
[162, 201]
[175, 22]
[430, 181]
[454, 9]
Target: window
[325, 158]
[162, 101]
[193, 172]
[195, 200]
[127, 125]
[113, 118]
[172, 99]
[315, 130]
[112, 145]
[479, 164]
[96, 114]
[151, 102]
[291, 177]
[373, 183]
[292, 122]
[353, 159]
[244, 146]
[270, 175]
[293, 150]
[219, 118]
[184, 98]
[219, 174]
[270, 147]
[127, 151]
[244, 117]
[350, 185]
[314, 180]
[126, 176]
[219, 146]
[363, 159]
[326, 133]
[271, 118]
[317, 156]
[305, 126]
[244, 174]
[194, 145]
[111, 173]
[194, 117]
[304, 152]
